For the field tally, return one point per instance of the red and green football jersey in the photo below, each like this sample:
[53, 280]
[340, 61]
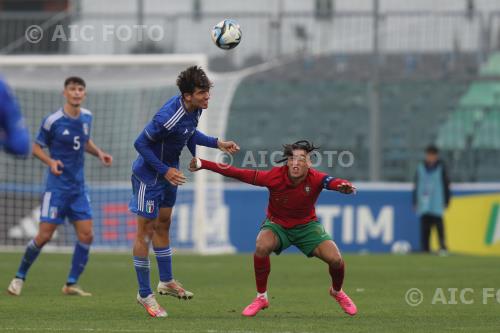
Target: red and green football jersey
[289, 205]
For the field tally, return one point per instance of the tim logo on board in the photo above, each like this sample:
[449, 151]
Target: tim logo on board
[358, 224]
[371, 221]
[359, 228]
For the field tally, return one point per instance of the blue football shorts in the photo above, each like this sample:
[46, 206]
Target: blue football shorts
[59, 205]
[147, 199]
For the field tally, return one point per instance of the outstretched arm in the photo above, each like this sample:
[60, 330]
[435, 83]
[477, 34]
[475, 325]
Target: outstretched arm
[252, 177]
[338, 184]
[202, 139]
[228, 146]
[199, 138]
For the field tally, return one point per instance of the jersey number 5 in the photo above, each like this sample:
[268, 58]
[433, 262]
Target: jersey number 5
[76, 142]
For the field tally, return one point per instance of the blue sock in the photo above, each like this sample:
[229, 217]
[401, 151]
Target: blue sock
[80, 258]
[32, 252]
[142, 265]
[164, 260]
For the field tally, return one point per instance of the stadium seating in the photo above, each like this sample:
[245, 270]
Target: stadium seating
[330, 105]
[488, 134]
[471, 132]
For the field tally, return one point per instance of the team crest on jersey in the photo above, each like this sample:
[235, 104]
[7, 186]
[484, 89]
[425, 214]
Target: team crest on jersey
[53, 212]
[150, 206]
[307, 188]
[86, 128]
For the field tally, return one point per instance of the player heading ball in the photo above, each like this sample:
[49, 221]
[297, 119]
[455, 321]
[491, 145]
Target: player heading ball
[156, 176]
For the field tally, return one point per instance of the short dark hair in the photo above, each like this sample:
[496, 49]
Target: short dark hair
[74, 79]
[432, 149]
[191, 78]
[301, 144]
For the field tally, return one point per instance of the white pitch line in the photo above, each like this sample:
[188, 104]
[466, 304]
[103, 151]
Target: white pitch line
[52, 329]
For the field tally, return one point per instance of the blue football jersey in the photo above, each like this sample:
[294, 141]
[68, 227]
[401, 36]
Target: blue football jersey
[14, 135]
[66, 138]
[167, 133]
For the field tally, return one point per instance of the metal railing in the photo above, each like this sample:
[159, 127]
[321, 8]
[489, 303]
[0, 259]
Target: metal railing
[264, 35]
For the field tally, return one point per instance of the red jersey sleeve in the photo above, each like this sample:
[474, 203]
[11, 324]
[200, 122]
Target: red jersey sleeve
[253, 177]
[318, 178]
[325, 181]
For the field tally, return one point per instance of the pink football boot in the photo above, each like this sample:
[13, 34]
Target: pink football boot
[259, 303]
[344, 301]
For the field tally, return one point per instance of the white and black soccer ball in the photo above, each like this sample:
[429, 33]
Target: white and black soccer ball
[226, 34]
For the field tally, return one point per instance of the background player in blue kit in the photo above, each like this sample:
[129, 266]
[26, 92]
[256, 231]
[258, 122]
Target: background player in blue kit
[66, 133]
[14, 136]
[156, 177]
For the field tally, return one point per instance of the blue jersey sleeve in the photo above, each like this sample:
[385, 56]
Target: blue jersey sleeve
[44, 136]
[204, 140]
[16, 140]
[199, 138]
[191, 144]
[154, 130]
[142, 144]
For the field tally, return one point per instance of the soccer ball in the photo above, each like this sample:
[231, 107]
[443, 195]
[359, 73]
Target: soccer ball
[226, 34]
[401, 247]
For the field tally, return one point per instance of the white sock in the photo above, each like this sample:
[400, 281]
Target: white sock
[264, 294]
[335, 292]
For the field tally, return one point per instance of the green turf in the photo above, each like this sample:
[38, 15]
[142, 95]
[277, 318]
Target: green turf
[223, 285]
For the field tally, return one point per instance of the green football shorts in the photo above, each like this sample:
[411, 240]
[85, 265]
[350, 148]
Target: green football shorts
[305, 237]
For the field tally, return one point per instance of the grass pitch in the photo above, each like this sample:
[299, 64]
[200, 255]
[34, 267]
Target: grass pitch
[224, 285]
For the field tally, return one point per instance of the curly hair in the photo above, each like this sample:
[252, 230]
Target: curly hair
[301, 144]
[191, 78]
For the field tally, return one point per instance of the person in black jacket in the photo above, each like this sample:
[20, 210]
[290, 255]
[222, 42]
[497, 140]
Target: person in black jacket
[431, 196]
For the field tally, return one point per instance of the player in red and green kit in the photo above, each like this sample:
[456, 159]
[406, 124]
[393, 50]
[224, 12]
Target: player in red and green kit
[291, 218]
